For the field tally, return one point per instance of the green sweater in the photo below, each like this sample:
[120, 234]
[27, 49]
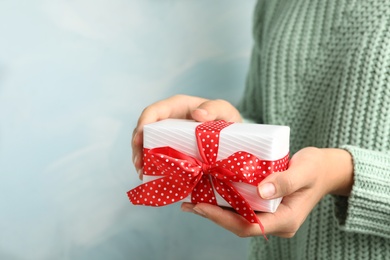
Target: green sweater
[322, 67]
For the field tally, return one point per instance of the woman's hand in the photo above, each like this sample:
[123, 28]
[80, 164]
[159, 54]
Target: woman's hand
[181, 107]
[312, 173]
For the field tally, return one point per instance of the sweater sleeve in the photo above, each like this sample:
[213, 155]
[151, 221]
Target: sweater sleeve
[367, 209]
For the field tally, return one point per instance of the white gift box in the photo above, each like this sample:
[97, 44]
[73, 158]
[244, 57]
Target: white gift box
[266, 142]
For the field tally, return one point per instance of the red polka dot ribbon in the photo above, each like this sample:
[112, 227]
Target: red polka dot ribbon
[181, 175]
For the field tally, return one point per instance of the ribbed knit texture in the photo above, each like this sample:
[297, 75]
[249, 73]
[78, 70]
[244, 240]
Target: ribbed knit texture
[322, 67]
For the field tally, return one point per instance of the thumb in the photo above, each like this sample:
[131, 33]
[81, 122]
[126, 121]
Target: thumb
[280, 184]
[302, 171]
[277, 185]
[216, 110]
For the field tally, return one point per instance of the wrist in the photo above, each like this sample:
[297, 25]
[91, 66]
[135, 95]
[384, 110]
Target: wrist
[339, 173]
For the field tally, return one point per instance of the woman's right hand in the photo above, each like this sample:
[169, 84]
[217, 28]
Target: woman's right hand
[181, 107]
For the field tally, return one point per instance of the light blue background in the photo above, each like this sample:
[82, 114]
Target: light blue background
[74, 76]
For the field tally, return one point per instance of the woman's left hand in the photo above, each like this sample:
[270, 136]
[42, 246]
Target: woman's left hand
[312, 173]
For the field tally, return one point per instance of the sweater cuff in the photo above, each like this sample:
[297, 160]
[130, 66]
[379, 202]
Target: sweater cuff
[367, 209]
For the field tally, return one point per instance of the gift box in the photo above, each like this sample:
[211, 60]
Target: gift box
[214, 162]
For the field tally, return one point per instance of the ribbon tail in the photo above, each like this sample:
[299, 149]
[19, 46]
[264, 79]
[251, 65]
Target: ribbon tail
[238, 203]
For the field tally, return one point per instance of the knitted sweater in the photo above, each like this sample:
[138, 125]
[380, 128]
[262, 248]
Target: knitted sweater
[322, 67]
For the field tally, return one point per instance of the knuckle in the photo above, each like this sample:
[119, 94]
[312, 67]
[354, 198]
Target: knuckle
[294, 227]
[221, 101]
[286, 184]
[289, 184]
[146, 110]
[177, 96]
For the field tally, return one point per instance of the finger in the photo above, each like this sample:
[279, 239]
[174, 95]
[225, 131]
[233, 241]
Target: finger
[282, 223]
[187, 207]
[225, 218]
[137, 143]
[179, 106]
[280, 184]
[216, 110]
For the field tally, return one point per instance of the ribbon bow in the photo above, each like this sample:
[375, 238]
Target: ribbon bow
[181, 175]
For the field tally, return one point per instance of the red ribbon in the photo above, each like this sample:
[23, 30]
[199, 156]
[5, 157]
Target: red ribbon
[181, 175]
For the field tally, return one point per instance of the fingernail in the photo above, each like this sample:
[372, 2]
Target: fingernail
[140, 174]
[203, 111]
[267, 190]
[199, 212]
[135, 160]
[187, 209]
